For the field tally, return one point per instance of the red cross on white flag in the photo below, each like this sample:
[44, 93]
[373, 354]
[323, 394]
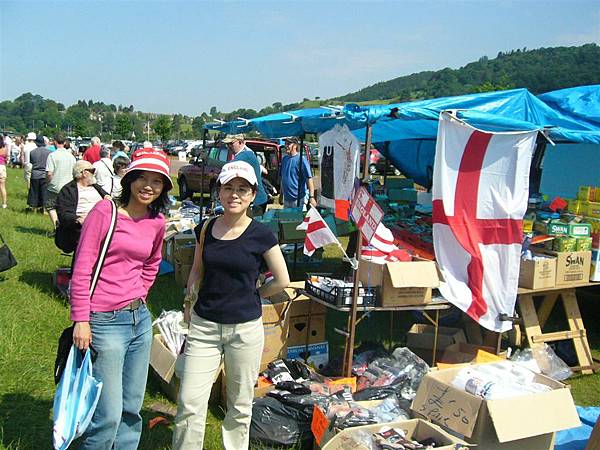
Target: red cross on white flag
[480, 192]
[318, 233]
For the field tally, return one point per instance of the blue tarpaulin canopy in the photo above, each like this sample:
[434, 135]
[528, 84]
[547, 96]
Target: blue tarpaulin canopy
[582, 103]
[411, 127]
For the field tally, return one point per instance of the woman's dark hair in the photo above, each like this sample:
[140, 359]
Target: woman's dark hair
[157, 206]
[120, 162]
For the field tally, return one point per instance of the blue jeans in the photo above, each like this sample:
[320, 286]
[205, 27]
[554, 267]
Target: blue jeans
[122, 340]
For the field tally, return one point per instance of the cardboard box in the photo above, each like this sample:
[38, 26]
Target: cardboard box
[182, 273]
[402, 283]
[167, 250]
[571, 267]
[463, 353]
[318, 354]
[518, 423]
[414, 429]
[300, 306]
[184, 254]
[592, 209]
[559, 228]
[299, 331]
[276, 322]
[589, 193]
[421, 336]
[537, 273]
[584, 244]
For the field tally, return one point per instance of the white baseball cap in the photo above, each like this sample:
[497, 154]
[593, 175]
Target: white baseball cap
[235, 169]
[31, 136]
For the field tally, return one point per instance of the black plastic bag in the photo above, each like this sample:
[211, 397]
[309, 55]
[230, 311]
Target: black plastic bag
[274, 423]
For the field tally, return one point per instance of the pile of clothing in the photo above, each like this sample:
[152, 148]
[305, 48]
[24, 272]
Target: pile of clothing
[284, 416]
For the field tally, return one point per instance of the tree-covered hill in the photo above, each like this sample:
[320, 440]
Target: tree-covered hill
[541, 70]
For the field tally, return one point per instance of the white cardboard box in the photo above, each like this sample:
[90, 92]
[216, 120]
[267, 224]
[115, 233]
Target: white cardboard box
[524, 422]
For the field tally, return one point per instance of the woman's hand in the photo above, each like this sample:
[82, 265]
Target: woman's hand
[187, 312]
[82, 335]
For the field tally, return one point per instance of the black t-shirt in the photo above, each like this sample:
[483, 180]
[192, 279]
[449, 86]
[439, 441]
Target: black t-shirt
[231, 268]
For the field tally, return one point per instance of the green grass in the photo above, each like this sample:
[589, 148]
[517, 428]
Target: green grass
[32, 316]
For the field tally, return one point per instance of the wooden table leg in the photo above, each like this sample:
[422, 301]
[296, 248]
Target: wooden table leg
[582, 347]
[531, 324]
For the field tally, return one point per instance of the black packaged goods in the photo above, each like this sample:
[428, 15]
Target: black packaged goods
[293, 387]
[327, 173]
[276, 424]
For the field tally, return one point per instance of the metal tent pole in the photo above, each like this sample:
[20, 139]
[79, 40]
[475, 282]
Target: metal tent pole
[349, 353]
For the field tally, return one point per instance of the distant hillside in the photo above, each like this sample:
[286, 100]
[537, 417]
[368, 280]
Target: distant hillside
[541, 70]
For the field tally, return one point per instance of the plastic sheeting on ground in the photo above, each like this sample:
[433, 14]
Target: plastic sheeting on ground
[576, 438]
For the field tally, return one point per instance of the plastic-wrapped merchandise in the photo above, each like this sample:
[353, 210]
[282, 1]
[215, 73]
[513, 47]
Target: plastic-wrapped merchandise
[389, 411]
[358, 440]
[297, 400]
[395, 439]
[274, 423]
[404, 369]
[545, 360]
[525, 358]
[500, 380]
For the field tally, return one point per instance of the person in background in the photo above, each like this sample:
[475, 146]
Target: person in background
[59, 171]
[296, 177]
[237, 144]
[28, 147]
[3, 160]
[225, 322]
[38, 191]
[104, 170]
[50, 145]
[92, 154]
[73, 150]
[118, 150]
[73, 203]
[15, 152]
[120, 164]
[115, 320]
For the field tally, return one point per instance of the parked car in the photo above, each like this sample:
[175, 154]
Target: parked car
[201, 174]
[377, 163]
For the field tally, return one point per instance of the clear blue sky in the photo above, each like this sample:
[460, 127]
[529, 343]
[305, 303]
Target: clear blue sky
[184, 57]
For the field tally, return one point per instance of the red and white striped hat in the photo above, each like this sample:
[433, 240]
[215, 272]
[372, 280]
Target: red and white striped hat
[151, 160]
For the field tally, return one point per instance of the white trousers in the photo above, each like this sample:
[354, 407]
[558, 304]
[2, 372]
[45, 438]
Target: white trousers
[241, 347]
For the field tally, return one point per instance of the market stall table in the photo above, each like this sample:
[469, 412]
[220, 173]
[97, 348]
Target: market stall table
[534, 320]
[436, 306]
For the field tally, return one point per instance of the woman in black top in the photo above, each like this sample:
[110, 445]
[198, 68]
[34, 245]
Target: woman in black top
[226, 319]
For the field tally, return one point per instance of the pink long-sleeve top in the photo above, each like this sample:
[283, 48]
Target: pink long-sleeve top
[130, 267]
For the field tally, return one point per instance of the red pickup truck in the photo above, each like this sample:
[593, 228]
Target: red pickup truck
[201, 174]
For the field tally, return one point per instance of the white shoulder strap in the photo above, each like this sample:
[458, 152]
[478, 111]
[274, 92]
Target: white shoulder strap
[104, 248]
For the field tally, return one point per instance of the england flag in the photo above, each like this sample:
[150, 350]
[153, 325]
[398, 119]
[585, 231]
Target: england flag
[480, 192]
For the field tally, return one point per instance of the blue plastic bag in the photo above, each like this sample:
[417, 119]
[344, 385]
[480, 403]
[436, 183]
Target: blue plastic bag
[75, 400]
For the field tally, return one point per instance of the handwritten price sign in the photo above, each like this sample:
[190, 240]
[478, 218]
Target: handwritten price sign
[367, 214]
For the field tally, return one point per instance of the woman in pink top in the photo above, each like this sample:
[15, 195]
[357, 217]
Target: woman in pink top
[3, 158]
[115, 322]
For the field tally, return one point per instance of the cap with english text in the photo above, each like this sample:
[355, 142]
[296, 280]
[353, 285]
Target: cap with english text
[237, 169]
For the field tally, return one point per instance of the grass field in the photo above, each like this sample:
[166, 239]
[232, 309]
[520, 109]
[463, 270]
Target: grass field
[32, 317]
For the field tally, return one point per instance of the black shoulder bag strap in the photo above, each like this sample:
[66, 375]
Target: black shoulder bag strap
[104, 248]
[66, 338]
